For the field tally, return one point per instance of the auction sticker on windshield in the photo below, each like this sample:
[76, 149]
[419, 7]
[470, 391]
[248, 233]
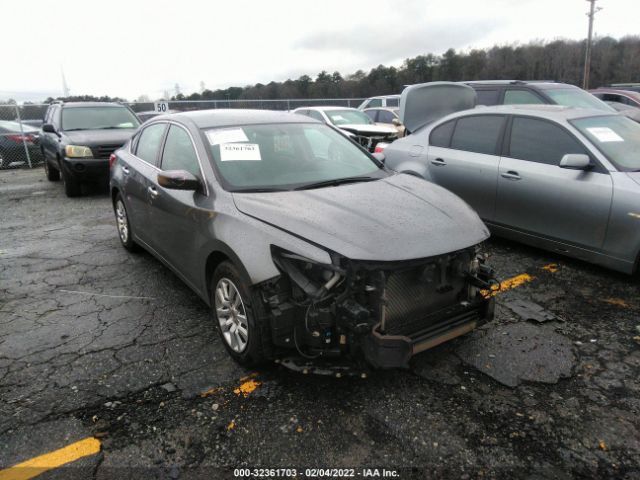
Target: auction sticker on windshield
[230, 135]
[605, 134]
[230, 152]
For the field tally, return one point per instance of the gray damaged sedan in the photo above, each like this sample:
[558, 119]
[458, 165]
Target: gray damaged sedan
[301, 242]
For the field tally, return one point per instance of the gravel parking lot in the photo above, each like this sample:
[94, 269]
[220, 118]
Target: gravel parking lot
[98, 342]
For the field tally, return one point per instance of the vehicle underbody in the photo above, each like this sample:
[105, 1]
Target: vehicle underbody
[380, 312]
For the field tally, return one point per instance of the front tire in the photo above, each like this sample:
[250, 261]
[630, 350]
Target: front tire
[71, 185]
[53, 175]
[237, 313]
[123, 224]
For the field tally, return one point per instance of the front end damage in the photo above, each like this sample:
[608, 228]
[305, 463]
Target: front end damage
[382, 312]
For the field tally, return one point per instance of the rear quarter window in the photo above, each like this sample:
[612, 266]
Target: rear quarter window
[478, 134]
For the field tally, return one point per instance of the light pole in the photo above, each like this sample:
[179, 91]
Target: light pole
[587, 58]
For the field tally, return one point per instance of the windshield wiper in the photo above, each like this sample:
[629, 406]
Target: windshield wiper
[335, 182]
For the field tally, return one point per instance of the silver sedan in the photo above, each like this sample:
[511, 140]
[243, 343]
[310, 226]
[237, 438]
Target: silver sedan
[564, 179]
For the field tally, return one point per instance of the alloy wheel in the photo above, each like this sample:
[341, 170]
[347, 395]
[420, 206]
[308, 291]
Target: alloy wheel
[122, 221]
[231, 315]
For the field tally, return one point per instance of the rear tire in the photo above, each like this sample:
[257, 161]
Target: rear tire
[123, 224]
[53, 175]
[71, 185]
[238, 315]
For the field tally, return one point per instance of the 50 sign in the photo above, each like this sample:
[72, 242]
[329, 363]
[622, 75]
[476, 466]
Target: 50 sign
[161, 107]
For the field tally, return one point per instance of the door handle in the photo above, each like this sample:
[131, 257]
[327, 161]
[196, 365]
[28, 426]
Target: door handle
[439, 162]
[125, 170]
[511, 175]
[152, 191]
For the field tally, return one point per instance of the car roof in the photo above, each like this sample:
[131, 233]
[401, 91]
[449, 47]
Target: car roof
[90, 104]
[329, 108]
[557, 112]
[231, 117]
[384, 96]
[389, 109]
[618, 91]
[541, 84]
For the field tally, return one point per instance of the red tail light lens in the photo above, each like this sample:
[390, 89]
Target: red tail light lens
[20, 138]
[112, 160]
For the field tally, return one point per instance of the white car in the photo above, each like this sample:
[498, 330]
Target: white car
[353, 123]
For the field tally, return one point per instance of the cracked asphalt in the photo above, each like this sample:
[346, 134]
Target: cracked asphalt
[99, 342]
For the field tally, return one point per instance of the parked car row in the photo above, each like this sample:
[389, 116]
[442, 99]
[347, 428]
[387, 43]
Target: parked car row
[269, 216]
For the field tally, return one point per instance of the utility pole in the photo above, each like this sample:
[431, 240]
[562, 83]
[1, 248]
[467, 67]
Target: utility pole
[587, 59]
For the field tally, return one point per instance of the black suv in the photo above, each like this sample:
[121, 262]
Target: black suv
[510, 92]
[78, 138]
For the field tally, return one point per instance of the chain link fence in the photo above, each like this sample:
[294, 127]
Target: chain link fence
[20, 124]
[20, 135]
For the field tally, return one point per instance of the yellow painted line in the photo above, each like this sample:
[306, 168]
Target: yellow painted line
[618, 302]
[248, 385]
[508, 284]
[552, 267]
[38, 465]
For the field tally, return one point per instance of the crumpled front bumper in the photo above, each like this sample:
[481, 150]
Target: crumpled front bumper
[394, 351]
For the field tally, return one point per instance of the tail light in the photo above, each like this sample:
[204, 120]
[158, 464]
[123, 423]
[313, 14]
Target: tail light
[380, 147]
[112, 160]
[20, 138]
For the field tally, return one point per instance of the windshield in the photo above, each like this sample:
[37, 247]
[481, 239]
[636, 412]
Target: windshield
[348, 117]
[575, 97]
[285, 156]
[617, 137]
[98, 118]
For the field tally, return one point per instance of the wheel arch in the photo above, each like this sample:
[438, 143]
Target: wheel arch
[220, 252]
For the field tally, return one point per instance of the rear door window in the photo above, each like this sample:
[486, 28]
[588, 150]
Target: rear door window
[374, 102]
[441, 136]
[479, 133]
[541, 141]
[149, 143]
[392, 102]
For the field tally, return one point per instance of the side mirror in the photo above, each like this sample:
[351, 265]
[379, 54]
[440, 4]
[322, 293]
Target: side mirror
[396, 122]
[178, 180]
[380, 157]
[576, 161]
[48, 128]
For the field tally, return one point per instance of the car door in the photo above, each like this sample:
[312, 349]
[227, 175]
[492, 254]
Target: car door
[141, 180]
[50, 141]
[536, 196]
[179, 218]
[463, 157]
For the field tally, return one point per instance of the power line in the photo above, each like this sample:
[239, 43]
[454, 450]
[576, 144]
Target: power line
[587, 59]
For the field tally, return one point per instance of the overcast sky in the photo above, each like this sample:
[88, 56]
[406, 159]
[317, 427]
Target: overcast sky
[130, 48]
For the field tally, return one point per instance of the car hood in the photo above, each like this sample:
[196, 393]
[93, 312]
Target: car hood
[99, 137]
[424, 103]
[400, 217]
[363, 129]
